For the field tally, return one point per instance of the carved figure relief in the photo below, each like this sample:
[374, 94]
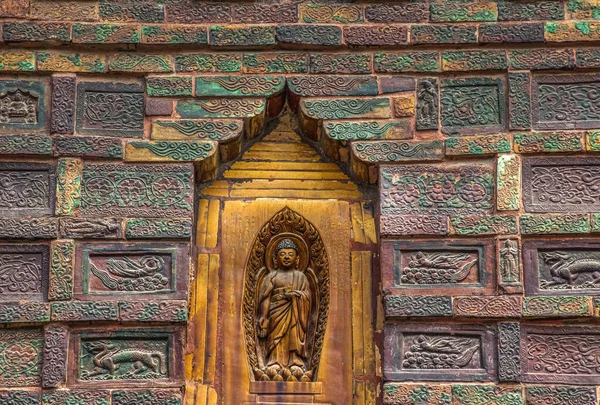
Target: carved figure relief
[18, 107]
[119, 359]
[509, 261]
[286, 300]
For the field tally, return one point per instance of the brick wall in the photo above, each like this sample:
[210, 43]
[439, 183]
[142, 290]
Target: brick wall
[476, 124]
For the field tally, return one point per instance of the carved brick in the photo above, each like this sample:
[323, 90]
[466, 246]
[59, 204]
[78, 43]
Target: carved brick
[486, 394]
[456, 267]
[132, 12]
[27, 189]
[330, 13]
[561, 268]
[471, 225]
[120, 190]
[19, 397]
[61, 270]
[519, 101]
[346, 108]
[404, 225]
[400, 62]
[427, 104]
[90, 228]
[561, 184]
[21, 364]
[463, 12]
[68, 186]
[65, 61]
[142, 355]
[398, 151]
[76, 396]
[509, 351]
[111, 109]
[396, 13]
[344, 63]
[147, 397]
[29, 228]
[504, 33]
[443, 34]
[563, 101]
[541, 59]
[34, 31]
[24, 272]
[275, 62]
[474, 60]
[488, 307]
[35, 145]
[364, 35]
[561, 307]
[169, 86]
[407, 306]
[242, 35]
[478, 145]
[106, 33]
[536, 142]
[154, 311]
[220, 108]
[22, 105]
[315, 86]
[510, 262]
[561, 395]
[146, 270]
[547, 224]
[530, 10]
[239, 86]
[28, 312]
[472, 106]
[355, 131]
[189, 12]
[63, 104]
[308, 34]
[222, 130]
[265, 13]
[84, 311]
[559, 354]
[54, 366]
[88, 146]
[174, 34]
[415, 352]
[208, 62]
[508, 181]
[436, 190]
[413, 394]
[146, 228]
[140, 62]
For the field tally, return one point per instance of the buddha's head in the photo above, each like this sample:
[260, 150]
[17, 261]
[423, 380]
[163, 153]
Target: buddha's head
[286, 254]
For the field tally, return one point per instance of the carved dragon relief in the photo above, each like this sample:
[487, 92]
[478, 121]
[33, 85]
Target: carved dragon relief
[286, 300]
[568, 271]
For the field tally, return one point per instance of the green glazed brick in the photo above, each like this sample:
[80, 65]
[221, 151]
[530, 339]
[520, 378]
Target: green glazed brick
[541, 59]
[208, 63]
[76, 397]
[242, 86]
[161, 311]
[88, 146]
[35, 32]
[587, 58]
[474, 60]
[306, 34]
[351, 131]
[530, 10]
[347, 108]
[416, 394]
[20, 397]
[582, 10]
[463, 12]
[241, 35]
[511, 33]
[443, 34]
[106, 34]
[560, 395]
[17, 60]
[147, 397]
[174, 34]
[572, 31]
[548, 224]
[519, 100]
[26, 312]
[25, 145]
[275, 63]
[398, 151]
[486, 394]
[536, 142]
[556, 306]
[476, 225]
[345, 63]
[592, 141]
[595, 222]
[132, 12]
[220, 108]
[135, 62]
[70, 62]
[169, 86]
[478, 145]
[398, 62]
[322, 85]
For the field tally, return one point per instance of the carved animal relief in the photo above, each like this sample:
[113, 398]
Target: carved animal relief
[286, 300]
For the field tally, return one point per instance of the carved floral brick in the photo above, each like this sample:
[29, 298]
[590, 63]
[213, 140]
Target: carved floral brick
[487, 307]
[27, 189]
[407, 306]
[76, 396]
[55, 356]
[559, 395]
[413, 394]
[154, 311]
[21, 357]
[439, 190]
[486, 394]
[147, 397]
[509, 351]
[24, 272]
[557, 307]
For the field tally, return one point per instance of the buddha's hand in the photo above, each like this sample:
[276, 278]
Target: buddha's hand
[263, 326]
